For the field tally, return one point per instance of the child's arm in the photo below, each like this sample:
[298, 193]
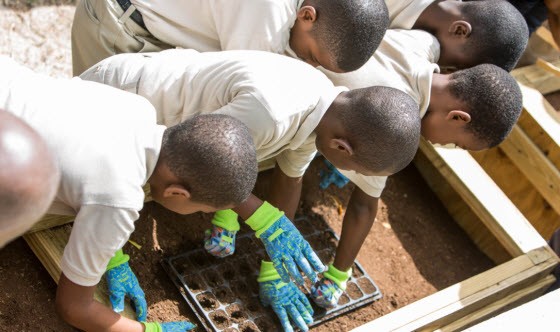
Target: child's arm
[357, 222]
[75, 304]
[285, 192]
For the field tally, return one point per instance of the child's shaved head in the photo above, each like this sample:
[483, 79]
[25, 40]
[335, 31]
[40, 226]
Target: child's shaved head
[351, 30]
[493, 99]
[214, 157]
[499, 33]
[29, 177]
[384, 128]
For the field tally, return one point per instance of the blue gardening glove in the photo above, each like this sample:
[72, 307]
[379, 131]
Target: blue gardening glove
[328, 290]
[168, 327]
[284, 244]
[332, 175]
[122, 282]
[220, 240]
[285, 298]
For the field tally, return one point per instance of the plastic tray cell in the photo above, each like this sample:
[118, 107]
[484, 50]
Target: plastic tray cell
[223, 292]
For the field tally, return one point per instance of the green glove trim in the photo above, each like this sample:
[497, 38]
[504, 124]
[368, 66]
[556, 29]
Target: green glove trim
[337, 276]
[265, 216]
[226, 219]
[119, 259]
[152, 327]
[267, 272]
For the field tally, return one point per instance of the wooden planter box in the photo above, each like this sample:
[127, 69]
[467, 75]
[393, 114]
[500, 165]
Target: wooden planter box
[503, 198]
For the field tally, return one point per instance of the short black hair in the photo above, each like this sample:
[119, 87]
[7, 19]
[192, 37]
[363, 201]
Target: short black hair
[499, 32]
[214, 157]
[493, 100]
[383, 127]
[351, 30]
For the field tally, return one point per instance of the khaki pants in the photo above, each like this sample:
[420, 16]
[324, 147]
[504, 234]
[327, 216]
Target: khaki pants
[100, 29]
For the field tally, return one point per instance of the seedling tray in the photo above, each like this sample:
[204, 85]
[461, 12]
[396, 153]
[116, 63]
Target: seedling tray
[223, 292]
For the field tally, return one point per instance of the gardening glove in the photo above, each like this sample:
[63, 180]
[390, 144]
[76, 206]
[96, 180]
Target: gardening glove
[328, 290]
[285, 298]
[332, 175]
[220, 240]
[122, 282]
[168, 327]
[284, 244]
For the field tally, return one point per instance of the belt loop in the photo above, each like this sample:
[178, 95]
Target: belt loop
[124, 17]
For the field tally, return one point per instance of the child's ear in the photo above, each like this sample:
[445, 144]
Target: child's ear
[461, 29]
[341, 145]
[176, 190]
[307, 14]
[458, 115]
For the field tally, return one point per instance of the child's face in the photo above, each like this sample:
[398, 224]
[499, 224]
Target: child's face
[308, 49]
[438, 130]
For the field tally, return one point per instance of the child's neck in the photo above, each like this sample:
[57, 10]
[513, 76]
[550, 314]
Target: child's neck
[437, 16]
[440, 95]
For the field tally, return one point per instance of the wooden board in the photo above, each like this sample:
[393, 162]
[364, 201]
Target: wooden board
[461, 212]
[487, 201]
[511, 301]
[460, 300]
[541, 312]
[538, 78]
[48, 245]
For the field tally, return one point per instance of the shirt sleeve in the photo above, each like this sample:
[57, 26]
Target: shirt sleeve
[98, 232]
[371, 185]
[294, 163]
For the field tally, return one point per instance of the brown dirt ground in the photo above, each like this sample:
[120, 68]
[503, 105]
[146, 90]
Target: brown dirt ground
[414, 248]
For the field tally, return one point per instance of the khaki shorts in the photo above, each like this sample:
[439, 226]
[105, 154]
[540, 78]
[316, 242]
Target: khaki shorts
[100, 29]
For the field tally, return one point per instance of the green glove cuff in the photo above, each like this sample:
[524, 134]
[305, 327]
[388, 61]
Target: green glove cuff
[152, 327]
[337, 276]
[119, 259]
[268, 272]
[263, 218]
[226, 219]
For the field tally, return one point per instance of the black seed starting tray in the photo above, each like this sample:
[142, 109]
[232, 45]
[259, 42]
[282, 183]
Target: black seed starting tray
[224, 292]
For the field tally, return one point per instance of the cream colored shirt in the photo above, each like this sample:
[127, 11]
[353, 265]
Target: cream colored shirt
[107, 144]
[215, 25]
[404, 13]
[280, 99]
[405, 60]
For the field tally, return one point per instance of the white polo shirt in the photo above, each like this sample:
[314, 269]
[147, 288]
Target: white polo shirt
[215, 25]
[280, 99]
[404, 13]
[107, 144]
[405, 60]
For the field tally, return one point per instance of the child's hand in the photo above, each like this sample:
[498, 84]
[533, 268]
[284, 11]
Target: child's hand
[284, 244]
[169, 327]
[328, 290]
[122, 282]
[285, 299]
[220, 240]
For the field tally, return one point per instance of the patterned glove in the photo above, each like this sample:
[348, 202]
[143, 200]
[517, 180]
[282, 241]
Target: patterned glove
[285, 298]
[220, 240]
[284, 244]
[328, 290]
[168, 327]
[332, 175]
[122, 282]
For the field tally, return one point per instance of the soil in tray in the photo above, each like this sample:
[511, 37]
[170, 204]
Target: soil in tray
[248, 326]
[220, 319]
[224, 295]
[208, 301]
[237, 313]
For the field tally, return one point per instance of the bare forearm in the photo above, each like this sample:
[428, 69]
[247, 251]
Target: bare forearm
[285, 192]
[78, 308]
[357, 222]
